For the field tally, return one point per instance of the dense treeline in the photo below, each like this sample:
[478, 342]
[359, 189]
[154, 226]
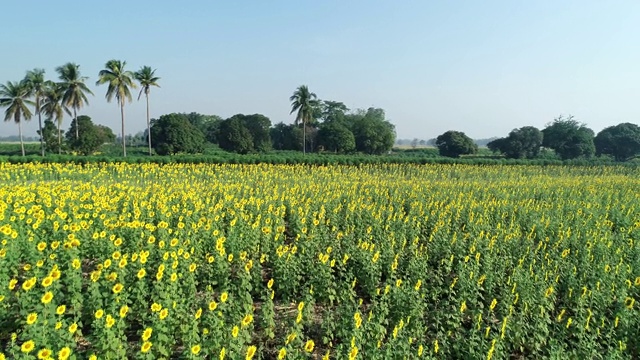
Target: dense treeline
[320, 126]
[567, 137]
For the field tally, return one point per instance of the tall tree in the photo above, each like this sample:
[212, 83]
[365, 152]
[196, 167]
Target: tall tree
[75, 90]
[569, 138]
[621, 141]
[373, 133]
[54, 108]
[37, 85]
[524, 142]
[455, 143]
[173, 134]
[147, 78]
[92, 136]
[120, 81]
[15, 97]
[332, 110]
[305, 103]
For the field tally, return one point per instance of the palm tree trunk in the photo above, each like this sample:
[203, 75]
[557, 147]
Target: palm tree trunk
[304, 137]
[20, 132]
[124, 141]
[40, 125]
[148, 125]
[75, 120]
[59, 139]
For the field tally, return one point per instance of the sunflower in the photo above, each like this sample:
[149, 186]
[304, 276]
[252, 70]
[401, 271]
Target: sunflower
[64, 353]
[353, 353]
[147, 334]
[163, 314]
[46, 282]
[246, 321]
[47, 297]
[27, 346]
[117, 288]
[251, 350]
[308, 347]
[195, 349]
[32, 318]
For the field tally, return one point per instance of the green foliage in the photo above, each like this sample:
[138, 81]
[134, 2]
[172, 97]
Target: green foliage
[335, 137]
[174, 134]
[120, 82]
[569, 138]
[14, 97]
[90, 138]
[258, 126]
[331, 111]
[455, 143]
[521, 143]
[106, 133]
[367, 262]
[37, 85]
[286, 137]
[50, 137]
[73, 88]
[306, 106]
[621, 141]
[244, 133]
[147, 78]
[204, 123]
[234, 136]
[372, 132]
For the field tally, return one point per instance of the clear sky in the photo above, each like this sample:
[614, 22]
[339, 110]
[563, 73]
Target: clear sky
[482, 67]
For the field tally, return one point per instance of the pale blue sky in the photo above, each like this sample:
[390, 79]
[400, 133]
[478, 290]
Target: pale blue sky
[482, 67]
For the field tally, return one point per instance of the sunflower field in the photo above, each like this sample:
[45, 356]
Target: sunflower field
[380, 261]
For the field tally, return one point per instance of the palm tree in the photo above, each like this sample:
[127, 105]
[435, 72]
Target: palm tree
[146, 77]
[304, 102]
[37, 84]
[119, 81]
[15, 97]
[54, 108]
[75, 90]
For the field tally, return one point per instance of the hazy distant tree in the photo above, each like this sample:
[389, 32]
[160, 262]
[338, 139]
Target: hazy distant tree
[521, 143]
[286, 137]
[15, 97]
[455, 143]
[146, 78]
[331, 111]
[234, 136]
[258, 126]
[335, 137]
[621, 141]
[120, 82]
[173, 134]
[569, 138]
[414, 143]
[373, 133]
